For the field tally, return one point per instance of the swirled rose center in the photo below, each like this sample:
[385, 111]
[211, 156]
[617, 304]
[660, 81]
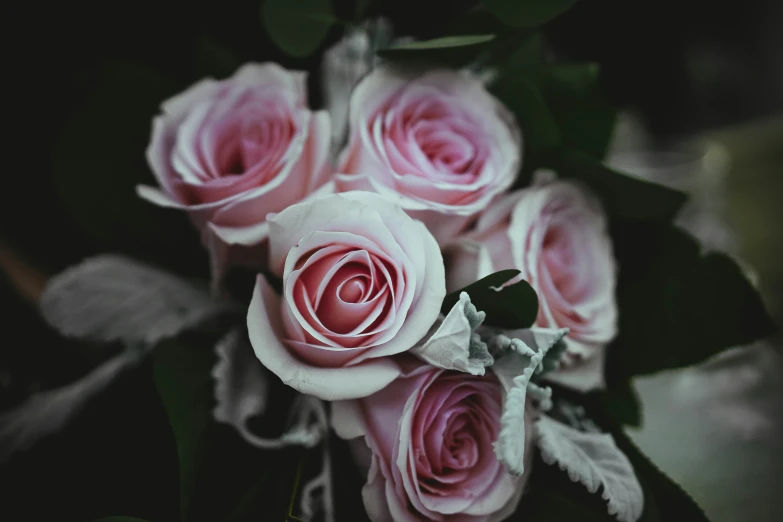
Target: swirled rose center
[457, 422]
[460, 450]
[344, 291]
[254, 136]
[431, 138]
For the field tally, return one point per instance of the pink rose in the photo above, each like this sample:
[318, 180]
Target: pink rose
[438, 143]
[230, 152]
[361, 281]
[431, 434]
[556, 234]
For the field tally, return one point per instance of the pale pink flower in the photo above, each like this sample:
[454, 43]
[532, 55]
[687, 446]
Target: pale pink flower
[431, 434]
[229, 152]
[437, 143]
[556, 234]
[362, 281]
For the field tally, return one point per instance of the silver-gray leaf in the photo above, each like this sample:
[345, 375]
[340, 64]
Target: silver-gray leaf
[241, 393]
[47, 412]
[241, 383]
[114, 298]
[594, 460]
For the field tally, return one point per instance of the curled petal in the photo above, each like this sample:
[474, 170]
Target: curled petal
[264, 322]
[454, 345]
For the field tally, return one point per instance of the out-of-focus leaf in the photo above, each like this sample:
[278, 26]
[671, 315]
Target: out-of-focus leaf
[523, 98]
[585, 118]
[448, 51]
[442, 43]
[551, 496]
[120, 519]
[113, 298]
[527, 13]
[624, 197]
[298, 27]
[46, 413]
[622, 402]
[181, 370]
[678, 305]
[212, 57]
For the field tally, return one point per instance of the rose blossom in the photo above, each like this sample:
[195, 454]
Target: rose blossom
[556, 234]
[361, 281]
[431, 434]
[438, 143]
[229, 152]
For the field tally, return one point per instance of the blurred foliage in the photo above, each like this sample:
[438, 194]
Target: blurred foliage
[82, 118]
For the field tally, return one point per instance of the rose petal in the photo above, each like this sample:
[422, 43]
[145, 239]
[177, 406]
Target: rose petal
[331, 384]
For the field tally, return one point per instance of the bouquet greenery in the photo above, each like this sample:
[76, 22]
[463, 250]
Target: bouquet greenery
[416, 291]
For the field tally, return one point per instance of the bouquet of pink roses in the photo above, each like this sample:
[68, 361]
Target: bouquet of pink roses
[428, 297]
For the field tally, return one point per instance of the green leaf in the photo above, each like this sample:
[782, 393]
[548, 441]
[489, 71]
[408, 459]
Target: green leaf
[527, 59]
[182, 373]
[624, 197]
[551, 496]
[449, 51]
[120, 519]
[295, 488]
[360, 9]
[527, 13]
[585, 118]
[99, 159]
[298, 27]
[595, 461]
[212, 57]
[445, 42]
[247, 503]
[523, 98]
[514, 306]
[551, 504]
[623, 403]
[678, 306]
[664, 499]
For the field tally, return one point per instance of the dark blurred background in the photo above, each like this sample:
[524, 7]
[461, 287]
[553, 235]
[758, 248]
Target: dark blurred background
[681, 70]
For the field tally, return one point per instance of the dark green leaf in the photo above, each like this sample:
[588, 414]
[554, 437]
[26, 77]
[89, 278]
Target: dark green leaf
[528, 58]
[182, 373]
[274, 495]
[449, 51]
[237, 481]
[527, 13]
[622, 402]
[212, 57]
[298, 27]
[514, 306]
[246, 504]
[585, 118]
[347, 483]
[551, 496]
[295, 488]
[99, 159]
[664, 499]
[360, 9]
[678, 306]
[120, 519]
[624, 197]
[445, 42]
[523, 98]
